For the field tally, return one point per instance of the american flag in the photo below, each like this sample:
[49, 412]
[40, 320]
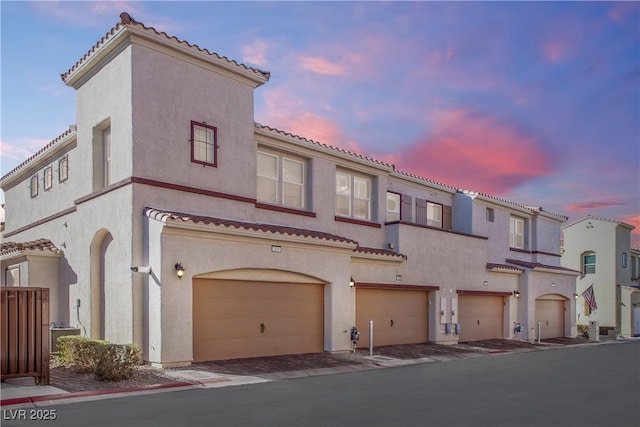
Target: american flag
[590, 297]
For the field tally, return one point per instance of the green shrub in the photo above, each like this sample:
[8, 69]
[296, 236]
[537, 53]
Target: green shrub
[117, 362]
[109, 362]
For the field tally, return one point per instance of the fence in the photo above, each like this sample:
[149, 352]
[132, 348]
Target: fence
[24, 324]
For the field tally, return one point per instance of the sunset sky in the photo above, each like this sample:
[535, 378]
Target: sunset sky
[536, 103]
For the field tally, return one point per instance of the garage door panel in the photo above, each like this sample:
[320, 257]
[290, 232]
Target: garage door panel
[407, 309]
[481, 317]
[227, 319]
[550, 314]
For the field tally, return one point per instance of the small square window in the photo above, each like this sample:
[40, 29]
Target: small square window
[63, 169]
[48, 177]
[204, 144]
[34, 185]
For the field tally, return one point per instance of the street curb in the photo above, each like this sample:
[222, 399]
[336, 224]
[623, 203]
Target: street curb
[81, 394]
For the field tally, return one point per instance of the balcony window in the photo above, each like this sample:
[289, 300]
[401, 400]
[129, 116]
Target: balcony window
[516, 232]
[281, 180]
[393, 207]
[353, 196]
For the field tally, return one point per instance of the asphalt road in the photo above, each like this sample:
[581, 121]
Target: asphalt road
[596, 385]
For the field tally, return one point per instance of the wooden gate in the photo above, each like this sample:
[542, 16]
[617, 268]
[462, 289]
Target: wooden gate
[24, 324]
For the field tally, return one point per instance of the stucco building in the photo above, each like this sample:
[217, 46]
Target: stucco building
[249, 240]
[601, 250]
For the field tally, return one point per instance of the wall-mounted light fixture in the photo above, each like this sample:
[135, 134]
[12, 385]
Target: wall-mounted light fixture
[553, 284]
[485, 283]
[576, 296]
[516, 294]
[352, 282]
[399, 277]
[179, 270]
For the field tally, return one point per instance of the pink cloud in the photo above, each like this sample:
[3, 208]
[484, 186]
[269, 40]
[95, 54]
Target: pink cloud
[621, 11]
[634, 220]
[555, 50]
[478, 153]
[591, 205]
[22, 149]
[321, 65]
[255, 53]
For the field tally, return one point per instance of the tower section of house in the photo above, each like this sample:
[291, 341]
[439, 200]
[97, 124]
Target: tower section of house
[600, 249]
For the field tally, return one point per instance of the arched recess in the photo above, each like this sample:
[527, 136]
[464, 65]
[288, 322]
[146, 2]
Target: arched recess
[262, 275]
[552, 314]
[98, 254]
[256, 312]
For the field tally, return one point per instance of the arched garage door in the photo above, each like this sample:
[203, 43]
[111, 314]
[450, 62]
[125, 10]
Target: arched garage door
[237, 319]
[550, 315]
[481, 317]
[399, 316]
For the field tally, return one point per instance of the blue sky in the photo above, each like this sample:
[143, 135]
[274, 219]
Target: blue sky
[534, 102]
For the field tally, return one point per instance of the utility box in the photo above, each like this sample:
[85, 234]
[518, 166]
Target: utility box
[60, 332]
[594, 330]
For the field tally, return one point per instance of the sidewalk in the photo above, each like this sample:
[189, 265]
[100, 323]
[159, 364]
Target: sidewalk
[67, 386]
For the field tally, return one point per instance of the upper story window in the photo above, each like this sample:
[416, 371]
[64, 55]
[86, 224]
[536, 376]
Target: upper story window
[428, 213]
[63, 169]
[281, 180]
[48, 177]
[393, 207]
[589, 263]
[106, 157]
[491, 214]
[353, 196]
[204, 144]
[33, 185]
[516, 232]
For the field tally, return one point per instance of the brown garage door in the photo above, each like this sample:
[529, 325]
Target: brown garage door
[481, 317]
[550, 314]
[236, 319]
[399, 316]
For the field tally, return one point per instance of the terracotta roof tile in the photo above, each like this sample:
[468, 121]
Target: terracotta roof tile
[163, 215]
[67, 133]
[127, 20]
[375, 251]
[495, 266]
[40, 244]
[535, 265]
[322, 145]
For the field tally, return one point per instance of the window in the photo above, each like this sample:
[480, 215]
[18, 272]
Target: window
[281, 180]
[48, 177]
[63, 169]
[490, 214]
[589, 263]
[12, 276]
[393, 207]
[516, 232]
[434, 215]
[34, 185]
[624, 260]
[428, 213]
[203, 144]
[353, 196]
[106, 157]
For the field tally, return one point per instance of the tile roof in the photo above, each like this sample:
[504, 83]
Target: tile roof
[598, 218]
[535, 265]
[384, 252]
[127, 21]
[321, 145]
[164, 215]
[61, 137]
[40, 244]
[495, 267]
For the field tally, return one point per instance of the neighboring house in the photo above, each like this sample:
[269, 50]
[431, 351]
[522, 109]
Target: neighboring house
[607, 287]
[180, 224]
